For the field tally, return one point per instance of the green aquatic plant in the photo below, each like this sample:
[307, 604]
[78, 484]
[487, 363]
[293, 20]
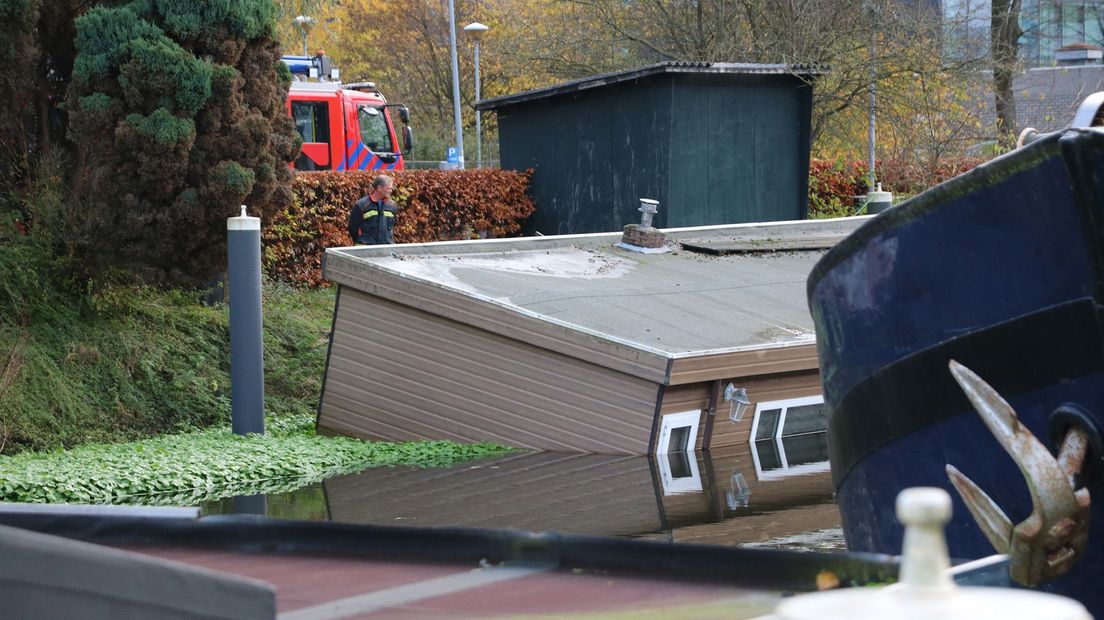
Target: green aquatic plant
[210, 464]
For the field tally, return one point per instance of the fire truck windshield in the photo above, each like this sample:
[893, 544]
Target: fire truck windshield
[374, 131]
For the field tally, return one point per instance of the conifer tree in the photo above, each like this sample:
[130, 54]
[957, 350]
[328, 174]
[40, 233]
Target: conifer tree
[176, 109]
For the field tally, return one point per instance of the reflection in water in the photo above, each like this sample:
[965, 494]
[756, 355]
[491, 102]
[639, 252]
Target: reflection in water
[741, 494]
[678, 472]
[790, 456]
[251, 505]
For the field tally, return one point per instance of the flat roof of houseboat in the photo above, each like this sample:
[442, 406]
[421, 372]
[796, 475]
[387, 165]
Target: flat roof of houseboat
[715, 289]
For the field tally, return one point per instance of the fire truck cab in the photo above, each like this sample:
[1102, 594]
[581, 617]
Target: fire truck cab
[343, 126]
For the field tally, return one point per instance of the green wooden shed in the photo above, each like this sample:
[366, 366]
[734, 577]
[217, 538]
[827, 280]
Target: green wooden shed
[714, 143]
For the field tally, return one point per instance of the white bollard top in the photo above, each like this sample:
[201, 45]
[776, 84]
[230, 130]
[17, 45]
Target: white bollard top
[243, 222]
[926, 591]
[878, 195]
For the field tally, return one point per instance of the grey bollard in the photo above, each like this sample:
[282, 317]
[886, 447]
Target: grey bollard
[878, 201]
[243, 250]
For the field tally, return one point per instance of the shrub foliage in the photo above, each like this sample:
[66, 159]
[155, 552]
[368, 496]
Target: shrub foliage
[835, 187]
[435, 205]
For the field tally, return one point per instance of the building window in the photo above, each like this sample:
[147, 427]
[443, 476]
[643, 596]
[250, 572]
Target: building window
[374, 131]
[789, 437]
[678, 432]
[312, 120]
[678, 463]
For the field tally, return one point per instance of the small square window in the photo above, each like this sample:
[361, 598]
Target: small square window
[678, 432]
[675, 456]
[680, 440]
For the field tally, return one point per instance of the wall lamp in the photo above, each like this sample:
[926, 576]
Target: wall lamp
[737, 399]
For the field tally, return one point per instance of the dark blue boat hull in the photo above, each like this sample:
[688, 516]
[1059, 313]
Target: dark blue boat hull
[999, 269]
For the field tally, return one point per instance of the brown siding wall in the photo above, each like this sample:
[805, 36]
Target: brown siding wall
[765, 361]
[450, 304]
[761, 388]
[398, 373]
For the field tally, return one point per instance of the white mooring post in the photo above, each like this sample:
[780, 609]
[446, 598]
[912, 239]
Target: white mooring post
[243, 250]
[925, 590]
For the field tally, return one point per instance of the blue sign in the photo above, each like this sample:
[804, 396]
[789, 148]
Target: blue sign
[453, 156]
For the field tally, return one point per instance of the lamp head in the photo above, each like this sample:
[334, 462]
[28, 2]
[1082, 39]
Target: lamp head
[476, 30]
[305, 22]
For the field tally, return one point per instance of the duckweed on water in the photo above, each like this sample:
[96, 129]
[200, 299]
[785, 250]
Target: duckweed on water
[208, 465]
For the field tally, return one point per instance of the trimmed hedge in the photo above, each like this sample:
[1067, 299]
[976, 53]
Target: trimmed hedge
[908, 178]
[834, 186]
[435, 205]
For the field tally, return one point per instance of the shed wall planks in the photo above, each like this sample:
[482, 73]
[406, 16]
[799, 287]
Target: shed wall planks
[397, 373]
[713, 147]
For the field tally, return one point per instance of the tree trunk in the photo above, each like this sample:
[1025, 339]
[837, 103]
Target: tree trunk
[1005, 48]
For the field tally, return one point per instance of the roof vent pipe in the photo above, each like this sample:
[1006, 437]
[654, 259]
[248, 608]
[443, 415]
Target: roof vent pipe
[643, 237]
[648, 208]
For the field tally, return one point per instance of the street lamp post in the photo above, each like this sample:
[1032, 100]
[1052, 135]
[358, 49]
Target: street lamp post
[476, 30]
[455, 86]
[873, 88]
[305, 23]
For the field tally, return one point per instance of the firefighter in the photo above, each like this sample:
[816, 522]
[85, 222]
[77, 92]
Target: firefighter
[373, 216]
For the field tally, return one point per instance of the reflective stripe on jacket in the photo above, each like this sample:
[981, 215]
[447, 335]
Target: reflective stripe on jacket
[371, 223]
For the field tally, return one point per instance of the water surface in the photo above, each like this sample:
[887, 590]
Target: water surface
[770, 493]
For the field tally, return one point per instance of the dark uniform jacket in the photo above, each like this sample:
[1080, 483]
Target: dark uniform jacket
[370, 223]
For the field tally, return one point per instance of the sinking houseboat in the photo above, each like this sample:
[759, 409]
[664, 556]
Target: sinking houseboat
[999, 270]
[579, 343]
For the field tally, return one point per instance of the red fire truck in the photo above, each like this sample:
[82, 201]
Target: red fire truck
[343, 126]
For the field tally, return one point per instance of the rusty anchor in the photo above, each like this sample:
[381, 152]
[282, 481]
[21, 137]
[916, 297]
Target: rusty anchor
[1050, 541]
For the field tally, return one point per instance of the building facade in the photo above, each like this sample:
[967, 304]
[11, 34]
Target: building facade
[1048, 26]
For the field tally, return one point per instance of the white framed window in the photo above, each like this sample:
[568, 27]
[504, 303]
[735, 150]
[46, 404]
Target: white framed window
[678, 462]
[789, 437]
[678, 432]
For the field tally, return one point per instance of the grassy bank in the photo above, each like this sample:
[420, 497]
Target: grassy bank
[130, 363]
[122, 395]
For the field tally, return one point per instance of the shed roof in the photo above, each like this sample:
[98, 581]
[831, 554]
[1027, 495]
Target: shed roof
[584, 296]
[669, 67]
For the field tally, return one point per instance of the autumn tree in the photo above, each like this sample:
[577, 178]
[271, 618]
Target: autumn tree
[403, 45]
[322, 31]
[1005, 35]
[891, 45]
